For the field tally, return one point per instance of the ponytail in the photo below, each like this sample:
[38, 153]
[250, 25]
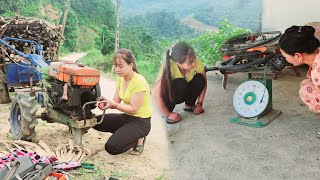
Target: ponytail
[166, 86]
[179, 53]
[134, 68]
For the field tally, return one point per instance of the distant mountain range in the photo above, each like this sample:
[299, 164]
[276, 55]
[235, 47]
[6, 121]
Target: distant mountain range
[245, 13]
[134, 7]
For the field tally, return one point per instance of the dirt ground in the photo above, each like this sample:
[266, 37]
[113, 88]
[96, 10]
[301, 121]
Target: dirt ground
[152, 164]
[208, 146]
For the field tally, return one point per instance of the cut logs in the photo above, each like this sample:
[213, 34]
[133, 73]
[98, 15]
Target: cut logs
[38, 30]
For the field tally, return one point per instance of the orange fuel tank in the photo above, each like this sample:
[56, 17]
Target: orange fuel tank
[75, 73]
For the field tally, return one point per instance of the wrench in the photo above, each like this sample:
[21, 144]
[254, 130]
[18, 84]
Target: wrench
[13, 168]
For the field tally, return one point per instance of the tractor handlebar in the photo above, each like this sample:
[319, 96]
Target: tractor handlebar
[35, 59]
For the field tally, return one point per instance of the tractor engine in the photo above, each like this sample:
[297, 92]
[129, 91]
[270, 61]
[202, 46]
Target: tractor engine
[73, 85]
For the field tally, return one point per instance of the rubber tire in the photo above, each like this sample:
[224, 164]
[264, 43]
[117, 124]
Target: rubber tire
[242, 67]
[23, 116]
[228, 46]
[278, 63]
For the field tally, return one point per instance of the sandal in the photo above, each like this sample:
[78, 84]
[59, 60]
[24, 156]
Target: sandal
[138, 149]
[189, 109]
[192, 108]
[170, 121]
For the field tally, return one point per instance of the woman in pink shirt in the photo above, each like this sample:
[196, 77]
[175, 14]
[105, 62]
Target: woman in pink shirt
[299, 46]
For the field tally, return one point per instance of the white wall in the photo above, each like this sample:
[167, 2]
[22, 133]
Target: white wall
[281, 14]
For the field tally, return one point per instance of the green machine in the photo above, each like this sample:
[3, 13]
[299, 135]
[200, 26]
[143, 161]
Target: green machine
[252, 101]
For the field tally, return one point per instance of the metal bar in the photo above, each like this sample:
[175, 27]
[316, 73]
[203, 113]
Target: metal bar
[77, 136]
[13, 49]
[84, 110]
[38, 47]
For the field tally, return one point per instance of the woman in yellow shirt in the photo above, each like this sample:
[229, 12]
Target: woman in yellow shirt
[131, 127]
[183, 79]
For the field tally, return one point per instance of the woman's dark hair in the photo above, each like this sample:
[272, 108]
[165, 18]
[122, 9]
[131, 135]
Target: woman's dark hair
[128, 56]
[179, 53]
[299, 39]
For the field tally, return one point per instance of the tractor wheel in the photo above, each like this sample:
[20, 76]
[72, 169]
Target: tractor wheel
[23, 116]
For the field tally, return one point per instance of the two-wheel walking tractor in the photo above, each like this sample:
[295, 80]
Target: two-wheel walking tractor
[66, 91]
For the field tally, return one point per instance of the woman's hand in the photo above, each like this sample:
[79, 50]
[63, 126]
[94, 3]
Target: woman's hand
[112, 104]
[103, 103]
[198, 109]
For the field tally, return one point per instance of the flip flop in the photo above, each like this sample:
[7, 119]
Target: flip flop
[170, 121]
[138, 149]
[189, 109]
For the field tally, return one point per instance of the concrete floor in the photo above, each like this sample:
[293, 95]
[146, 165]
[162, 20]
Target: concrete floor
[208, 146]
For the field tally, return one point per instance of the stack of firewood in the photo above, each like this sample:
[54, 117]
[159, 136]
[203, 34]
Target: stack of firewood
[38, 30]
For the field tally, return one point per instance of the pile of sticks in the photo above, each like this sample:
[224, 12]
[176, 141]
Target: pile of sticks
[38, 30]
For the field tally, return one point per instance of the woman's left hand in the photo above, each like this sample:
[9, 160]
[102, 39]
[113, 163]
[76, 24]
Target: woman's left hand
[198, 109]
[104, 104]
[111, 104]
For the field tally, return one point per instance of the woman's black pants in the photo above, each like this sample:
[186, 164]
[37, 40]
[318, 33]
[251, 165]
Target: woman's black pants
[126, 131]
[184, 91]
